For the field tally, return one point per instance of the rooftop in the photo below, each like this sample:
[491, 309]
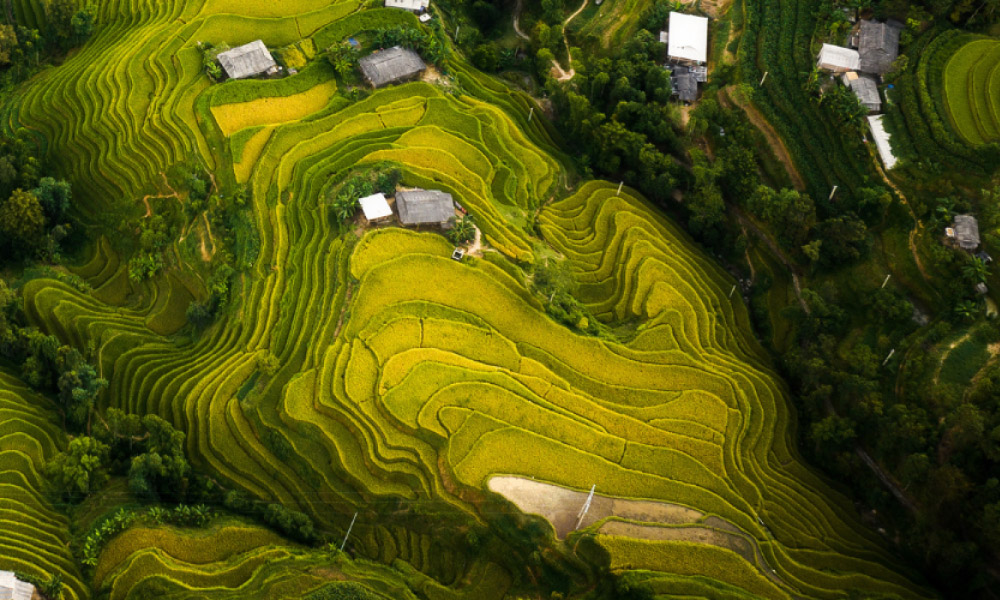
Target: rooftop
[878, 45]
[865, 88]
[882, 141]
[247, 60]
[375, 207]
[684, 83]
[966, 232]
[419, 207]
[391, 65]
[838, 58]
[410, 5]
[688, 37]
[12, 588]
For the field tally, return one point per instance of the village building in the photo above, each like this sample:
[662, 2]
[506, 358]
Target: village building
[866, 89]
[375, 208]
[248, 60]
[881, 137]
[414, 6]
[425, 207]
[684, 84]
[393, 65]
[12, 588]
[965, 232]
[838, 59]
[878, 46]
[687, 38]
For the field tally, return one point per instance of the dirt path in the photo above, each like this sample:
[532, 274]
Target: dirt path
[792, 270]
[205, 254]
[567, 75]
[476, 248]
[517, 21]
[944, 355]
[886, 480]
[917, 228]
[773, 139]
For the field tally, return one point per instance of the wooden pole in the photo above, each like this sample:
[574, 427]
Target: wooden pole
[886, 280]
[348, 534]
[586, 507]
[620, 184]
[764, 77]
[530, 113]
[832, 192]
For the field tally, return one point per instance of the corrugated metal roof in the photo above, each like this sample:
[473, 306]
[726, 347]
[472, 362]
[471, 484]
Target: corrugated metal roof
[410, 5]
[12, 588]
[246, 60]
[684, 84]
[882, 141]
[838, 58]
[424, 206]
[375, 206]
[967, 232]
[865, 88]
[878, 46]
[388, 66]
[688, 37]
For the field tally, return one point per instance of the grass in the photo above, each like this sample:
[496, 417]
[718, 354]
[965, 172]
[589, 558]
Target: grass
[972, 90]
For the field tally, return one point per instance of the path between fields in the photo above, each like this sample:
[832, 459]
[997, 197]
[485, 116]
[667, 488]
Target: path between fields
[916, 228]
[748, 224]
[476, 248]
[944, 355]
[773, 139]
[517, 21]
[567, 75]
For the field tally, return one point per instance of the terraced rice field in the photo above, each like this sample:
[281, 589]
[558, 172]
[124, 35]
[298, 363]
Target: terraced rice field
[406, 376]
[972, 90]
[33, 534]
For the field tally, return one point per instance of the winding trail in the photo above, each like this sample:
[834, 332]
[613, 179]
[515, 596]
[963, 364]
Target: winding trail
[517, 21]
[770, 133]
[748, 224]
[560, 73]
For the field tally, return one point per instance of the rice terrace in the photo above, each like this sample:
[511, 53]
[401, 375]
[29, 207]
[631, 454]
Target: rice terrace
[485, 299]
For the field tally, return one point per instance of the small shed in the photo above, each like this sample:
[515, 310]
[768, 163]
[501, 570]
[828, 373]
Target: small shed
[865, 88]
[878, 46]
[838, 59]
[881, 137]
[393, 65]
[248, 60]
[425, 207]
[12, 588]
[414, 6]
[684, 84]
[687, 38]
[966, 232]
[375, 207]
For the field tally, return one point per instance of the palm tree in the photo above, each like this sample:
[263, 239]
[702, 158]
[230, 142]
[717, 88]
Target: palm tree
[966, 310]
[976, 270]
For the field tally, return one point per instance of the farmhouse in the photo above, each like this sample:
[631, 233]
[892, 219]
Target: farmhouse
[414, 6]
[375, 208]
[881, 137]
[12, 588]
[687, 38]
[878, 46]
[965, 231]
[865, 88]
[684, 84]
[425, 207]
[248, 60]
[391, 66]
[838, 59]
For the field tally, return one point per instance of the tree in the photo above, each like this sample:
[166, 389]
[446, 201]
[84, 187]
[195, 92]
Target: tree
[553, 277]
[343, 57]
[486, 57]
[8, 44]
[976, 271]
[790, 214]
[79, 386]
[82, 23]
[80, 470]
[60, 17]
[54, 196]
[22, 220]
[845, 239]
[463, 230]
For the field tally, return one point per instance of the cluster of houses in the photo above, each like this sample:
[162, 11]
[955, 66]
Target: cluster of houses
[12, 588]
[687, 54]
[872, 48]
[415, 208]
[394, 65]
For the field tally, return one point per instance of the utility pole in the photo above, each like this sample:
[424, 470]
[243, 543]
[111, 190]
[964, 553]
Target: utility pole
[620, 184]
[763, 78]
[530, 113]
[348, 534]
[886, 280]
[832, 192]
[586, 507]
[732, 291]
[891, 352]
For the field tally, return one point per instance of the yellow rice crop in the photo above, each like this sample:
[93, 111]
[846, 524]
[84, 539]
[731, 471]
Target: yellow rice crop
[273, 111]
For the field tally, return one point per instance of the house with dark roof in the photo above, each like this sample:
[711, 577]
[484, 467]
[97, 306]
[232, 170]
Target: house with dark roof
[878, 46]
[965, 231]
[248, 60]
[393, 65]
[425, 207]
[683, 83]
[866, 89]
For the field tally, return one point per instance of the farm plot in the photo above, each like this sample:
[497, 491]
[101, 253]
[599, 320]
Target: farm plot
[404, 375]
[972, 90]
